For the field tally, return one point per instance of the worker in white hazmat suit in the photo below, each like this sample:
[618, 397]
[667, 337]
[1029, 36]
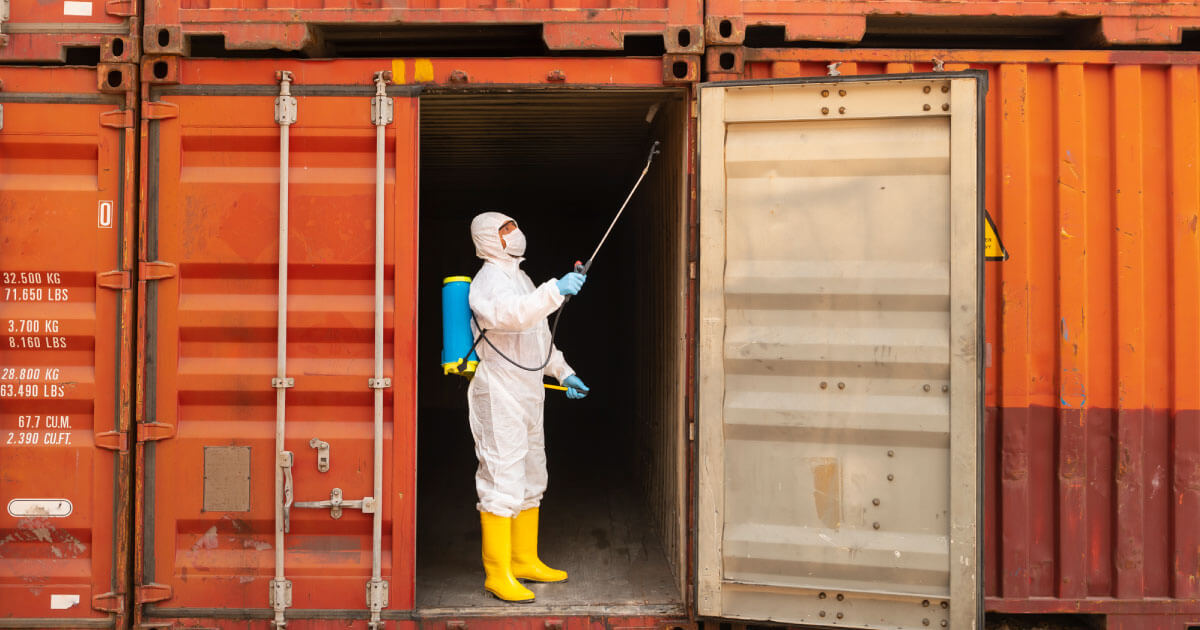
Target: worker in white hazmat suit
[506, 403]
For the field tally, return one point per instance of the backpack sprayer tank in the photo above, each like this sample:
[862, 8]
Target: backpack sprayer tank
[458, 342]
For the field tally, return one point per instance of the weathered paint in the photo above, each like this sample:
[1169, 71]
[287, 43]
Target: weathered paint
[566, 24]
[41, 32]
[1093, 335]
[67, 194]
[1120, 23]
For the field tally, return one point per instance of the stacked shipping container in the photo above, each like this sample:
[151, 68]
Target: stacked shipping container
[1092, 356]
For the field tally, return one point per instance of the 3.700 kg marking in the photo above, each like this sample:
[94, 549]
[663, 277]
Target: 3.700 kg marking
[32, 326]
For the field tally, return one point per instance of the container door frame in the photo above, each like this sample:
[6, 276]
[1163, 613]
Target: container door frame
[966, 182]
[70, 105]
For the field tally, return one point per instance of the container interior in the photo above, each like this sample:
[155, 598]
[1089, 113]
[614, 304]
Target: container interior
[561, 163]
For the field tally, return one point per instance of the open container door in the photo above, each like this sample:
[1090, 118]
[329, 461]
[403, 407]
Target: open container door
[276, 439]
[840, 324]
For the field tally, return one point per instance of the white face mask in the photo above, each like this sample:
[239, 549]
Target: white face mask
[515, 243]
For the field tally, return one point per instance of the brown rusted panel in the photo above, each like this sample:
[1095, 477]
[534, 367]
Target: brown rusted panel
[66, 218]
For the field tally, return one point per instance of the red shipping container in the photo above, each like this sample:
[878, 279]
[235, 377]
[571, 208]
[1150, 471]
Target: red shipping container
[564, 25]
[67, 191]
[49, 32]
[1093, 322]
[1113, 23]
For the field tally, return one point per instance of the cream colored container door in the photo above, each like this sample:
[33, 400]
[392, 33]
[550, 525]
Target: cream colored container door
[840, 327]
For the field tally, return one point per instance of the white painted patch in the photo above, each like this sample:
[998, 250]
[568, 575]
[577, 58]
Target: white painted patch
[63, 602]
[72, 7]
[56, 508]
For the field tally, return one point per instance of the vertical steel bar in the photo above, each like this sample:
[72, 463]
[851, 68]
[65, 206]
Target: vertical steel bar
[381, 116]
[280, 593]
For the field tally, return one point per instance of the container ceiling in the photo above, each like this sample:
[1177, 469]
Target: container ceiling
[485, 140]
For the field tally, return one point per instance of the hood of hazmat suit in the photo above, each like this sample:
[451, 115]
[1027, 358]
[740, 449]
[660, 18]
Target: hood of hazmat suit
[506, 401]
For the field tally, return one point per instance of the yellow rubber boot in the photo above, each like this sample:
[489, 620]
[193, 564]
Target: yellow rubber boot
[497, 559]
[525, 562]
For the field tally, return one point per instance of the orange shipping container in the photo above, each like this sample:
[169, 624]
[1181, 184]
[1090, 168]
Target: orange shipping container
[1093, 334]
[334, 28]
[72, 31]
[67, 190]
[216, 540]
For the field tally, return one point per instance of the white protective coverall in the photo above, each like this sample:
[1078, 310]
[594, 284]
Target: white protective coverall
[506, 401]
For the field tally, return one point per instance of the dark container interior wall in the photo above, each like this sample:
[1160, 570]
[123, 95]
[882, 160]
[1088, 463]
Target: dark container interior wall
[561, 163]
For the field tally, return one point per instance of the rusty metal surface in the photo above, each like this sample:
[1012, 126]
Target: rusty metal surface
[1115, 23]
[42, 32]
[1093, 374]
[564, 24]
[67, 167]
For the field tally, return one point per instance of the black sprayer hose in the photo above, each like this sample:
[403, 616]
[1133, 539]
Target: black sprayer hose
[579, 268]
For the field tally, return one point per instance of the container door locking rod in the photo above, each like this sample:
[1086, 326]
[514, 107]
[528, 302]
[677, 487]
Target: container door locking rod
[280, 593]
[381, 116]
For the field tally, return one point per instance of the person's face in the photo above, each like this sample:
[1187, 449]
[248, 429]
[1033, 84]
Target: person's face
[505, 229]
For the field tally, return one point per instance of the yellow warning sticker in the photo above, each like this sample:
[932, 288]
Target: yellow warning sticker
[993, 249]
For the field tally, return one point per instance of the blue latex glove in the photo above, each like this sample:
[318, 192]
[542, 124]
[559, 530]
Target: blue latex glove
[571, 283]
[575, 388]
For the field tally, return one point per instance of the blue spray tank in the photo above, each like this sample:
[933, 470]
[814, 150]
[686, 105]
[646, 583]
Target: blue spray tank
[458, 342]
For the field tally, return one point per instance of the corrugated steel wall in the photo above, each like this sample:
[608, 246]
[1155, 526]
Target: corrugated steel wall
[1093, 334]
[660, 230]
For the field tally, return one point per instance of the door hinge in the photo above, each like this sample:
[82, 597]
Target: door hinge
[154, 431]
[156, 270]
[120, 8]
[1, 116]
[159, 110]
[112, 440]
[117, 119]
[147, 593]
[113, 279]
[377, 594]
[109, 602]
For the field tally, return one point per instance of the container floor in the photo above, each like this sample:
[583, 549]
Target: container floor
[593, 526]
